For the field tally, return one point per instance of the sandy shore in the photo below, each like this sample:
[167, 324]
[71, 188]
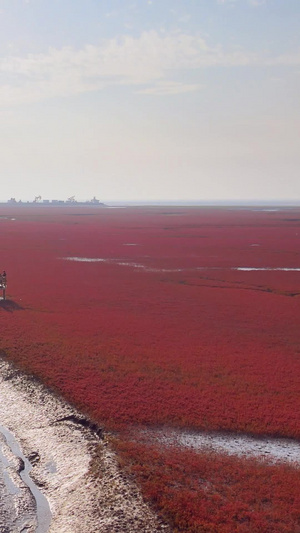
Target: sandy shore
[73, 466]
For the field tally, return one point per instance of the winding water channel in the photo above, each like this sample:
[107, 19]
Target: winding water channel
[41, 508]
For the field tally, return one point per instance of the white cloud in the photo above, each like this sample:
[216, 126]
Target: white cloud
[257, 3]
[170, 87]
[111, 14]
[146, 60]
[288, 60]
[185, 18]
[229, 2]
[254, 3]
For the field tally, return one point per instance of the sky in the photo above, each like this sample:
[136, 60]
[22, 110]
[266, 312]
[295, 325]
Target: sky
[150, 100]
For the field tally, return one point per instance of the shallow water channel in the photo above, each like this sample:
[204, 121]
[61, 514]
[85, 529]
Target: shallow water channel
[40, 512]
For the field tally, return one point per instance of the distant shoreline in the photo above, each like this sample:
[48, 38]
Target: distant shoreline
[100, 205]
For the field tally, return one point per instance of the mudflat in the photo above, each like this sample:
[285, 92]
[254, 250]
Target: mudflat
[72, 465]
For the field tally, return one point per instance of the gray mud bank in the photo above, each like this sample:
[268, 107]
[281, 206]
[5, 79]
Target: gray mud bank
[58, 473]
[22, 490]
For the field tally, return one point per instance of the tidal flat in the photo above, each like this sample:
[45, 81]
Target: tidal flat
[73, 481]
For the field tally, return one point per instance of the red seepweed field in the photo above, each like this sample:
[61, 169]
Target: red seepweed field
[153, 318]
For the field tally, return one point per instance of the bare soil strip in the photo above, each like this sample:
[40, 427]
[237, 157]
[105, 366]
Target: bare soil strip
[72, 464]
[267, 449]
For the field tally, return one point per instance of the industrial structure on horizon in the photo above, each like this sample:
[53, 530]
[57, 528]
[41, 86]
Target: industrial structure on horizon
[70, 201]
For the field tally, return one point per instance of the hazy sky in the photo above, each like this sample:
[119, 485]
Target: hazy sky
[149, 100]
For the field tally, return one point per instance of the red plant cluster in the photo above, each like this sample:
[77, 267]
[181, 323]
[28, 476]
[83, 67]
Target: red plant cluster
[161, 329]
[210, 493]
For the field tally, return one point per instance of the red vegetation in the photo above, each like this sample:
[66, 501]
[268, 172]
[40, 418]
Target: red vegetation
[162, 331]
[209, 493]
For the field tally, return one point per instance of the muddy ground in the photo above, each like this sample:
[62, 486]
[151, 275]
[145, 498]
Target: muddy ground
[72, 465]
